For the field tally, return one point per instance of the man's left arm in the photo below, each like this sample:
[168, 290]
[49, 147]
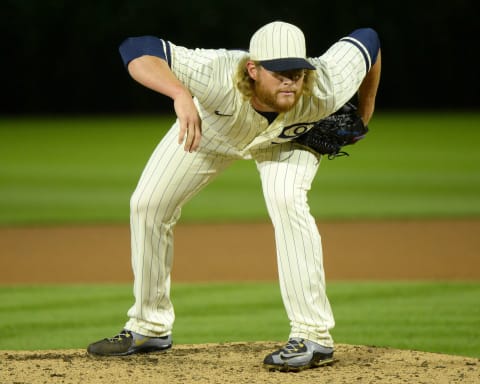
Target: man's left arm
[368, 44]
[367, 91]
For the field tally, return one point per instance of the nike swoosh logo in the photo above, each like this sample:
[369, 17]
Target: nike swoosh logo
[218, 113]
[291, 356]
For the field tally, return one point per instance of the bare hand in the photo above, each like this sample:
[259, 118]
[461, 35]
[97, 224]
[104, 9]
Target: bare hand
[190, 123]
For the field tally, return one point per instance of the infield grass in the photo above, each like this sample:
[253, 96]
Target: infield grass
[427, 316]
[70, 170]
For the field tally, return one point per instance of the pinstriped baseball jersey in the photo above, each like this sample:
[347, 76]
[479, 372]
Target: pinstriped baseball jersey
[230, 124]
[232, 129]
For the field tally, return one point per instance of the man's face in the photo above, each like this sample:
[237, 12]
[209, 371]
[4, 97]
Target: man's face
[276, 91]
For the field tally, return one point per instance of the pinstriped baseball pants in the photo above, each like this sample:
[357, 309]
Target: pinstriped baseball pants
[171, 177]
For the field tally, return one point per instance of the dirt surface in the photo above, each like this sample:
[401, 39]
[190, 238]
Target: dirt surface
[367, 250]
[235, 363]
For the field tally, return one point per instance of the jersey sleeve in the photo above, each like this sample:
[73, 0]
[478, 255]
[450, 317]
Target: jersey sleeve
[134, 47]
[342, 68]
[367, 41]
[193, 67]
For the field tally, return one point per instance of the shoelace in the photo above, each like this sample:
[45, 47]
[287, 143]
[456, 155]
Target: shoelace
[120, 336]
[292, 346]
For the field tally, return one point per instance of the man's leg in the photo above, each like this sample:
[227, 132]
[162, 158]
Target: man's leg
[287, 173]
[170, 178]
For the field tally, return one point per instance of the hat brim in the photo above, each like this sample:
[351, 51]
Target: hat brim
[286, 64]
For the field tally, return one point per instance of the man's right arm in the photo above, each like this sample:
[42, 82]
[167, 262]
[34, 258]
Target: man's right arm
[148, 64]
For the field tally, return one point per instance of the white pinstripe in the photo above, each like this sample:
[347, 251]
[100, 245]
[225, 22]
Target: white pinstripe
[232, 130]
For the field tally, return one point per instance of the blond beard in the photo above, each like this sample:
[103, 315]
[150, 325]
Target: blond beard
[270, 99]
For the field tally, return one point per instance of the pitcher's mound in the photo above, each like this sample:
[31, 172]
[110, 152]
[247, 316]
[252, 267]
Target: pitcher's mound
[234, 363]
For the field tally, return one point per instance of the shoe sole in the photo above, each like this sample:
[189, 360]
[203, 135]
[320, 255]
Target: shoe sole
[288, 368]
[132, 351]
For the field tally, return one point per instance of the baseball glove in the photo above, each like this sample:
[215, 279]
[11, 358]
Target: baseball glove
[329, 135]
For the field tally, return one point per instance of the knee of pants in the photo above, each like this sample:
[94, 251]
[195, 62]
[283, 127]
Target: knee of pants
[152, 208]
[288, 199]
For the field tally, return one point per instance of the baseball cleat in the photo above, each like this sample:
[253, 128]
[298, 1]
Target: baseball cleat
[128, 343]
[297, 355]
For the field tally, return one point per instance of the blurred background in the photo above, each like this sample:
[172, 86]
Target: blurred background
[61, 57]
[76, 130]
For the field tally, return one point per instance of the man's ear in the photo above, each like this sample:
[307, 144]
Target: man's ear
[252, 69]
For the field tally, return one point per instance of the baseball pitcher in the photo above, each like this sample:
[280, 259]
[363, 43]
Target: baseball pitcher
[237, 105]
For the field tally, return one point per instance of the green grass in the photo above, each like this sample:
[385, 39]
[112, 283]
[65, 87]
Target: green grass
[70, 170]
[428, 316]
[83, 170]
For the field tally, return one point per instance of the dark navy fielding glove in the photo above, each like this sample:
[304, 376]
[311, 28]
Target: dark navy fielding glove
[329, 135]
